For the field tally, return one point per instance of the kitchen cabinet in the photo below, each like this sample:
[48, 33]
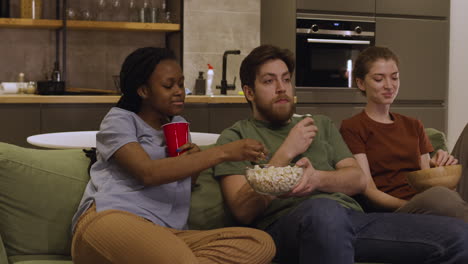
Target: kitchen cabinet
[18, 121]
[72, 117]
[437, 8]
[354, 6]
[198, 117]
[223, 116]
[336, 112]
[278, 28]
[422, 46]
[430, 115]
[21, 120]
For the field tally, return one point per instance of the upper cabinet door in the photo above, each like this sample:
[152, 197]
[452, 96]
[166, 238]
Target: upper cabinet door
[439, 8]
[355, 6]
[422, 46]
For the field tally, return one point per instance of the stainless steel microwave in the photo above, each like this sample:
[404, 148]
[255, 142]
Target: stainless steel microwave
[326, 49]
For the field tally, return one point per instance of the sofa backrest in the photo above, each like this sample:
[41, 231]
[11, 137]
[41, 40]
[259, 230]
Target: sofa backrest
[39, 193]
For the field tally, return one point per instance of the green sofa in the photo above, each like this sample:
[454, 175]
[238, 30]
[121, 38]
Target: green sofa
[40, 191]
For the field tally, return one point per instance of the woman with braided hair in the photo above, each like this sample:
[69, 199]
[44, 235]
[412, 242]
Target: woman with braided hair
[136, 204]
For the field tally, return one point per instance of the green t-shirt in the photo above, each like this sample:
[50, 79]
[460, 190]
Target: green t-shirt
[327, 149]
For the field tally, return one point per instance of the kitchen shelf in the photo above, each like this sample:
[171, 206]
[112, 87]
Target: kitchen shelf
[107, 99]
[30, 23]
[87, 25]
[122, 26]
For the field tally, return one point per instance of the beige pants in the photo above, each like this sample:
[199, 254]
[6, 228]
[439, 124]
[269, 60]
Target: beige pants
[114, 236]
[437, 201]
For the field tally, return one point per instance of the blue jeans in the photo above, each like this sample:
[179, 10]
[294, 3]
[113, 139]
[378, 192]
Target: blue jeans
[323, 231]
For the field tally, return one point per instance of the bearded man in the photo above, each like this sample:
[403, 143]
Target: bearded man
[318, 221]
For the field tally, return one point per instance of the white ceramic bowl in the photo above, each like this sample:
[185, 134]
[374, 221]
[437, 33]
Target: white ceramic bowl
[10, 87]
[271, 180]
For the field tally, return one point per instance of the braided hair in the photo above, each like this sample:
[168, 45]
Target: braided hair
[136, 71]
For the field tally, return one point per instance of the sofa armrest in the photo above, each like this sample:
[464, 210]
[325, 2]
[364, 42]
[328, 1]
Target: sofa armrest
[3, 255]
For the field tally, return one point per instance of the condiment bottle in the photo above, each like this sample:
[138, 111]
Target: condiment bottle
[56, 76]
[209, 80]
[200, 84]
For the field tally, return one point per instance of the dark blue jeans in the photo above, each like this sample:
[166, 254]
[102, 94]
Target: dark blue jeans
[323, 231]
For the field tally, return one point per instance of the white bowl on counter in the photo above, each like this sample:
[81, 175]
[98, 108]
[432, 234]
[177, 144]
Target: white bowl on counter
[9, 87]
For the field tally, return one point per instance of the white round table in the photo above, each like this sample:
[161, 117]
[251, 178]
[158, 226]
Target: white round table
[87, 139]
[64, 140]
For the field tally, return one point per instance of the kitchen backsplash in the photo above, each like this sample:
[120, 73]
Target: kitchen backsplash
[213, 26]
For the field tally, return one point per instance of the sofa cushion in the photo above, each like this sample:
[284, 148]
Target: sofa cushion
[40, 259]
[207, 208]
[437, 139]
[3, 255]
[39, 193]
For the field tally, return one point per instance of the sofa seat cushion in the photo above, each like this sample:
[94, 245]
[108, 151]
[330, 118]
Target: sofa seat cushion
[39, 193]
[41, 259]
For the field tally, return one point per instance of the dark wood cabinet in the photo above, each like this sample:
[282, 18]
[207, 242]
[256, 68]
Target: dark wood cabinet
[72, 117]
[23, 120]
[198, 117]
[18, 122]
[422, 46]
[430, 116]
[354, 6]
[438, 8]
[223, 116]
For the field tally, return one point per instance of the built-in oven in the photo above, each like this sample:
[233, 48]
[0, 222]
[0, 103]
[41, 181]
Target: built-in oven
[327, 46]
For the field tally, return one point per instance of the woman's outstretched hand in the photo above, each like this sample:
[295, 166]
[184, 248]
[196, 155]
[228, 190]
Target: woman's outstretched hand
[245, 149]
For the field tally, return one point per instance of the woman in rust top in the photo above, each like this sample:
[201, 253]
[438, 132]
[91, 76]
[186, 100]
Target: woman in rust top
[387, 144]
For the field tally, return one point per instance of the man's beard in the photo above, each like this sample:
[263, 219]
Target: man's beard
[277, 116]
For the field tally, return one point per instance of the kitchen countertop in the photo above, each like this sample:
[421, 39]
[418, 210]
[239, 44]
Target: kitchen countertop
[107, 99]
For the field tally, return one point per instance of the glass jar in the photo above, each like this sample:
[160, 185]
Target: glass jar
[31, 88]
[31, 9]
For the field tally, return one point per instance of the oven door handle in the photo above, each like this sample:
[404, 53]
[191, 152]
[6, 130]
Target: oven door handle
[339, 41]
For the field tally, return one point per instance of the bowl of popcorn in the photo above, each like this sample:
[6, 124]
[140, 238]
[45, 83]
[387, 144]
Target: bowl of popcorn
[447, 176]
[270, 180]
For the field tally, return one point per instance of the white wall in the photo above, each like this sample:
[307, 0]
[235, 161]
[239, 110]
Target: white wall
[458, 74]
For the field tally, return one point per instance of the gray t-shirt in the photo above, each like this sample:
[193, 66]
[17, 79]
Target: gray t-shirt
[111, 187]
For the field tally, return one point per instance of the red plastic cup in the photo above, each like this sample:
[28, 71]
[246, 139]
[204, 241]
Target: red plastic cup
[177, 135]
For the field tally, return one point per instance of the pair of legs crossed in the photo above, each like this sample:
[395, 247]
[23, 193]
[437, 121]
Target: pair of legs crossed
[437, 201]
[114, 236]
[322, 231]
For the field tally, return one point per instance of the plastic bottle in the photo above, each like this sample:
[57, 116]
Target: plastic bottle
[133, 12]
[21, 84]
[209, 80]
[145, 13]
